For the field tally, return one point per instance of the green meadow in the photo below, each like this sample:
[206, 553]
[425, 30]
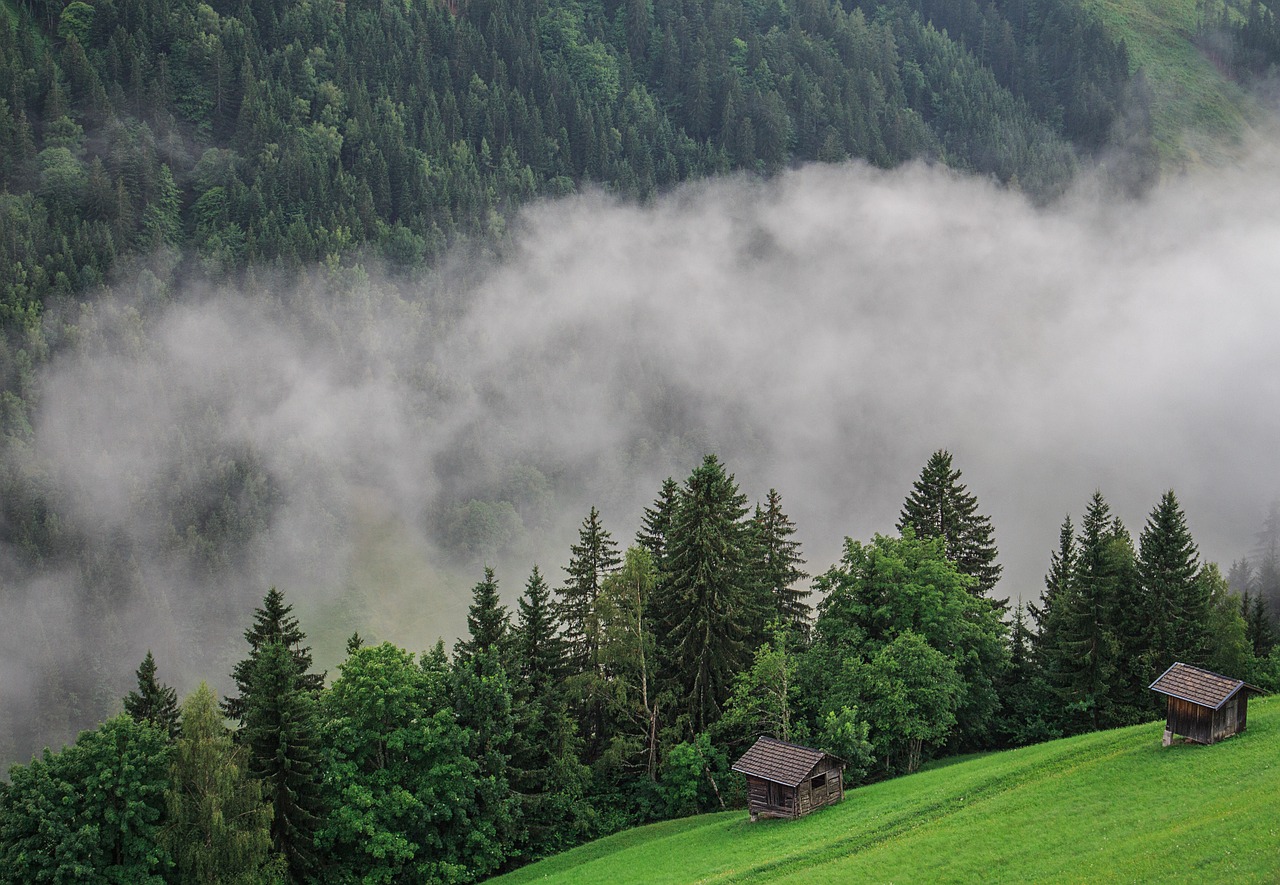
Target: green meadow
[1112, 806]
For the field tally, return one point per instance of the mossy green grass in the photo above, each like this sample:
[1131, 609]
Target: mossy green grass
[1114, 806]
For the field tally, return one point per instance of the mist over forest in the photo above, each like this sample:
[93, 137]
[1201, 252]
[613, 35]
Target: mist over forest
[368, 441]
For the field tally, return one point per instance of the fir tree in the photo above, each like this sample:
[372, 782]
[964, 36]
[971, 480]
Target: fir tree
[1056, 586]
[487, 620]
[1178, 608]
[939, 506]
[153, 702]
[712, 607]
[655, 524]
[273, 622]
[780, 562]
[539, 651]
[593, 558]
[279, 726]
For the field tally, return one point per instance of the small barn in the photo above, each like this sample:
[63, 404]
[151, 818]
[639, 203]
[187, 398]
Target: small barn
[1203, 706]
[788, 780]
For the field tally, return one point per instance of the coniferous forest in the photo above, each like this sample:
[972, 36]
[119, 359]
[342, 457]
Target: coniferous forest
[152, 149]
[619, 691]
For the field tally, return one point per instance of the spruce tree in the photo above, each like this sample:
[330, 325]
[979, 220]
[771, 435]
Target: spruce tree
[940, 506]
[1178, 607]
[488, 620]
[1056, 586]
[655, 524]
[593, 558]
[279, 727]
[780, 562]
[539, 651]
[713, 607]
[153, 702]
[273, 622]
[1081, 663]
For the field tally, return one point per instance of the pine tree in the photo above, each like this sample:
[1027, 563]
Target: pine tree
[712, 607]
[272, 623]
[593, 558]
[1178, 608]
[153, 702]
[488, 620]
[939, 506]
[1056, 586]
[780, 563]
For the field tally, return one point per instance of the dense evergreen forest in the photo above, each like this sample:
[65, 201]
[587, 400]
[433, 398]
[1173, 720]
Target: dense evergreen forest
[619, 691]
[154, 147]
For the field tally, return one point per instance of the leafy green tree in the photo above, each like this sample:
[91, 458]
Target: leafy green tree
[1229, 650]
[217, 826]
[400, 777]
[780, 562]
[762, 702]
[153, 702]
[891, 586]
[913, 691]
[91, 812]
[629, 655]
[940, 506]
[481, 696]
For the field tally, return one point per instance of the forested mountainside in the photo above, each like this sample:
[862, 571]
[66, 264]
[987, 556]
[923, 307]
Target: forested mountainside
[289, 132]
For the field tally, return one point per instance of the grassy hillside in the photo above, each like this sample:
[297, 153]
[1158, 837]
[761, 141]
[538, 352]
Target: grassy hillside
[1113, 806]
[1199, 114]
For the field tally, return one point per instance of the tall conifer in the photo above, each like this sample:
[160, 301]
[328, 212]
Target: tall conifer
[780, 562]
[940, 506]
[153, 702]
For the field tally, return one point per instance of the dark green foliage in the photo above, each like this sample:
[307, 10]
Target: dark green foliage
[400, 778]
[153, 702]
[91, 812]
[877, 593]
[279, 727]
[713, 604]
[1168, 564]
[272, 623]
[539, 650]
[593, 558]
[940, 506]
[488, 620]
[780, 561]
[655, 524]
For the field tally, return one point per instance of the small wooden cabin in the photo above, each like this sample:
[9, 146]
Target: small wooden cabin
[788, 780]
[1203, 706]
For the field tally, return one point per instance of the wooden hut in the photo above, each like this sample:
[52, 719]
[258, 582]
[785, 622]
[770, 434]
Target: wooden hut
[788, 780]
[1203, 706]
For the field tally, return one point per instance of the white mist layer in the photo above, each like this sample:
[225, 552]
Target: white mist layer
[823, 333]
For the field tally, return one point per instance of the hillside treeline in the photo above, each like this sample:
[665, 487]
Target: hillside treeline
[619, 690]
[263, 132]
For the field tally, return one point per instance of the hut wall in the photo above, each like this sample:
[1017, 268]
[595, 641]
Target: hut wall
[768, 799]
[1242, 711]
[1191, 721]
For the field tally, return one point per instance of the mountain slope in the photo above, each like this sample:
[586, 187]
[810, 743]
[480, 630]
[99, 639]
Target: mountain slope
[1199, 114]
[1111, 806]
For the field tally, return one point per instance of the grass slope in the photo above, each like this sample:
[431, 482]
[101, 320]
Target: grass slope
[1108, 807]
[1199, 114]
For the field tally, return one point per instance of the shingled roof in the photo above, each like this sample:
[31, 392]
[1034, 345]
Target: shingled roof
[779, 761]
[1202, 687]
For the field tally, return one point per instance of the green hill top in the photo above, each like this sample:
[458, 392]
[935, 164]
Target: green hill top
[1112, 806]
